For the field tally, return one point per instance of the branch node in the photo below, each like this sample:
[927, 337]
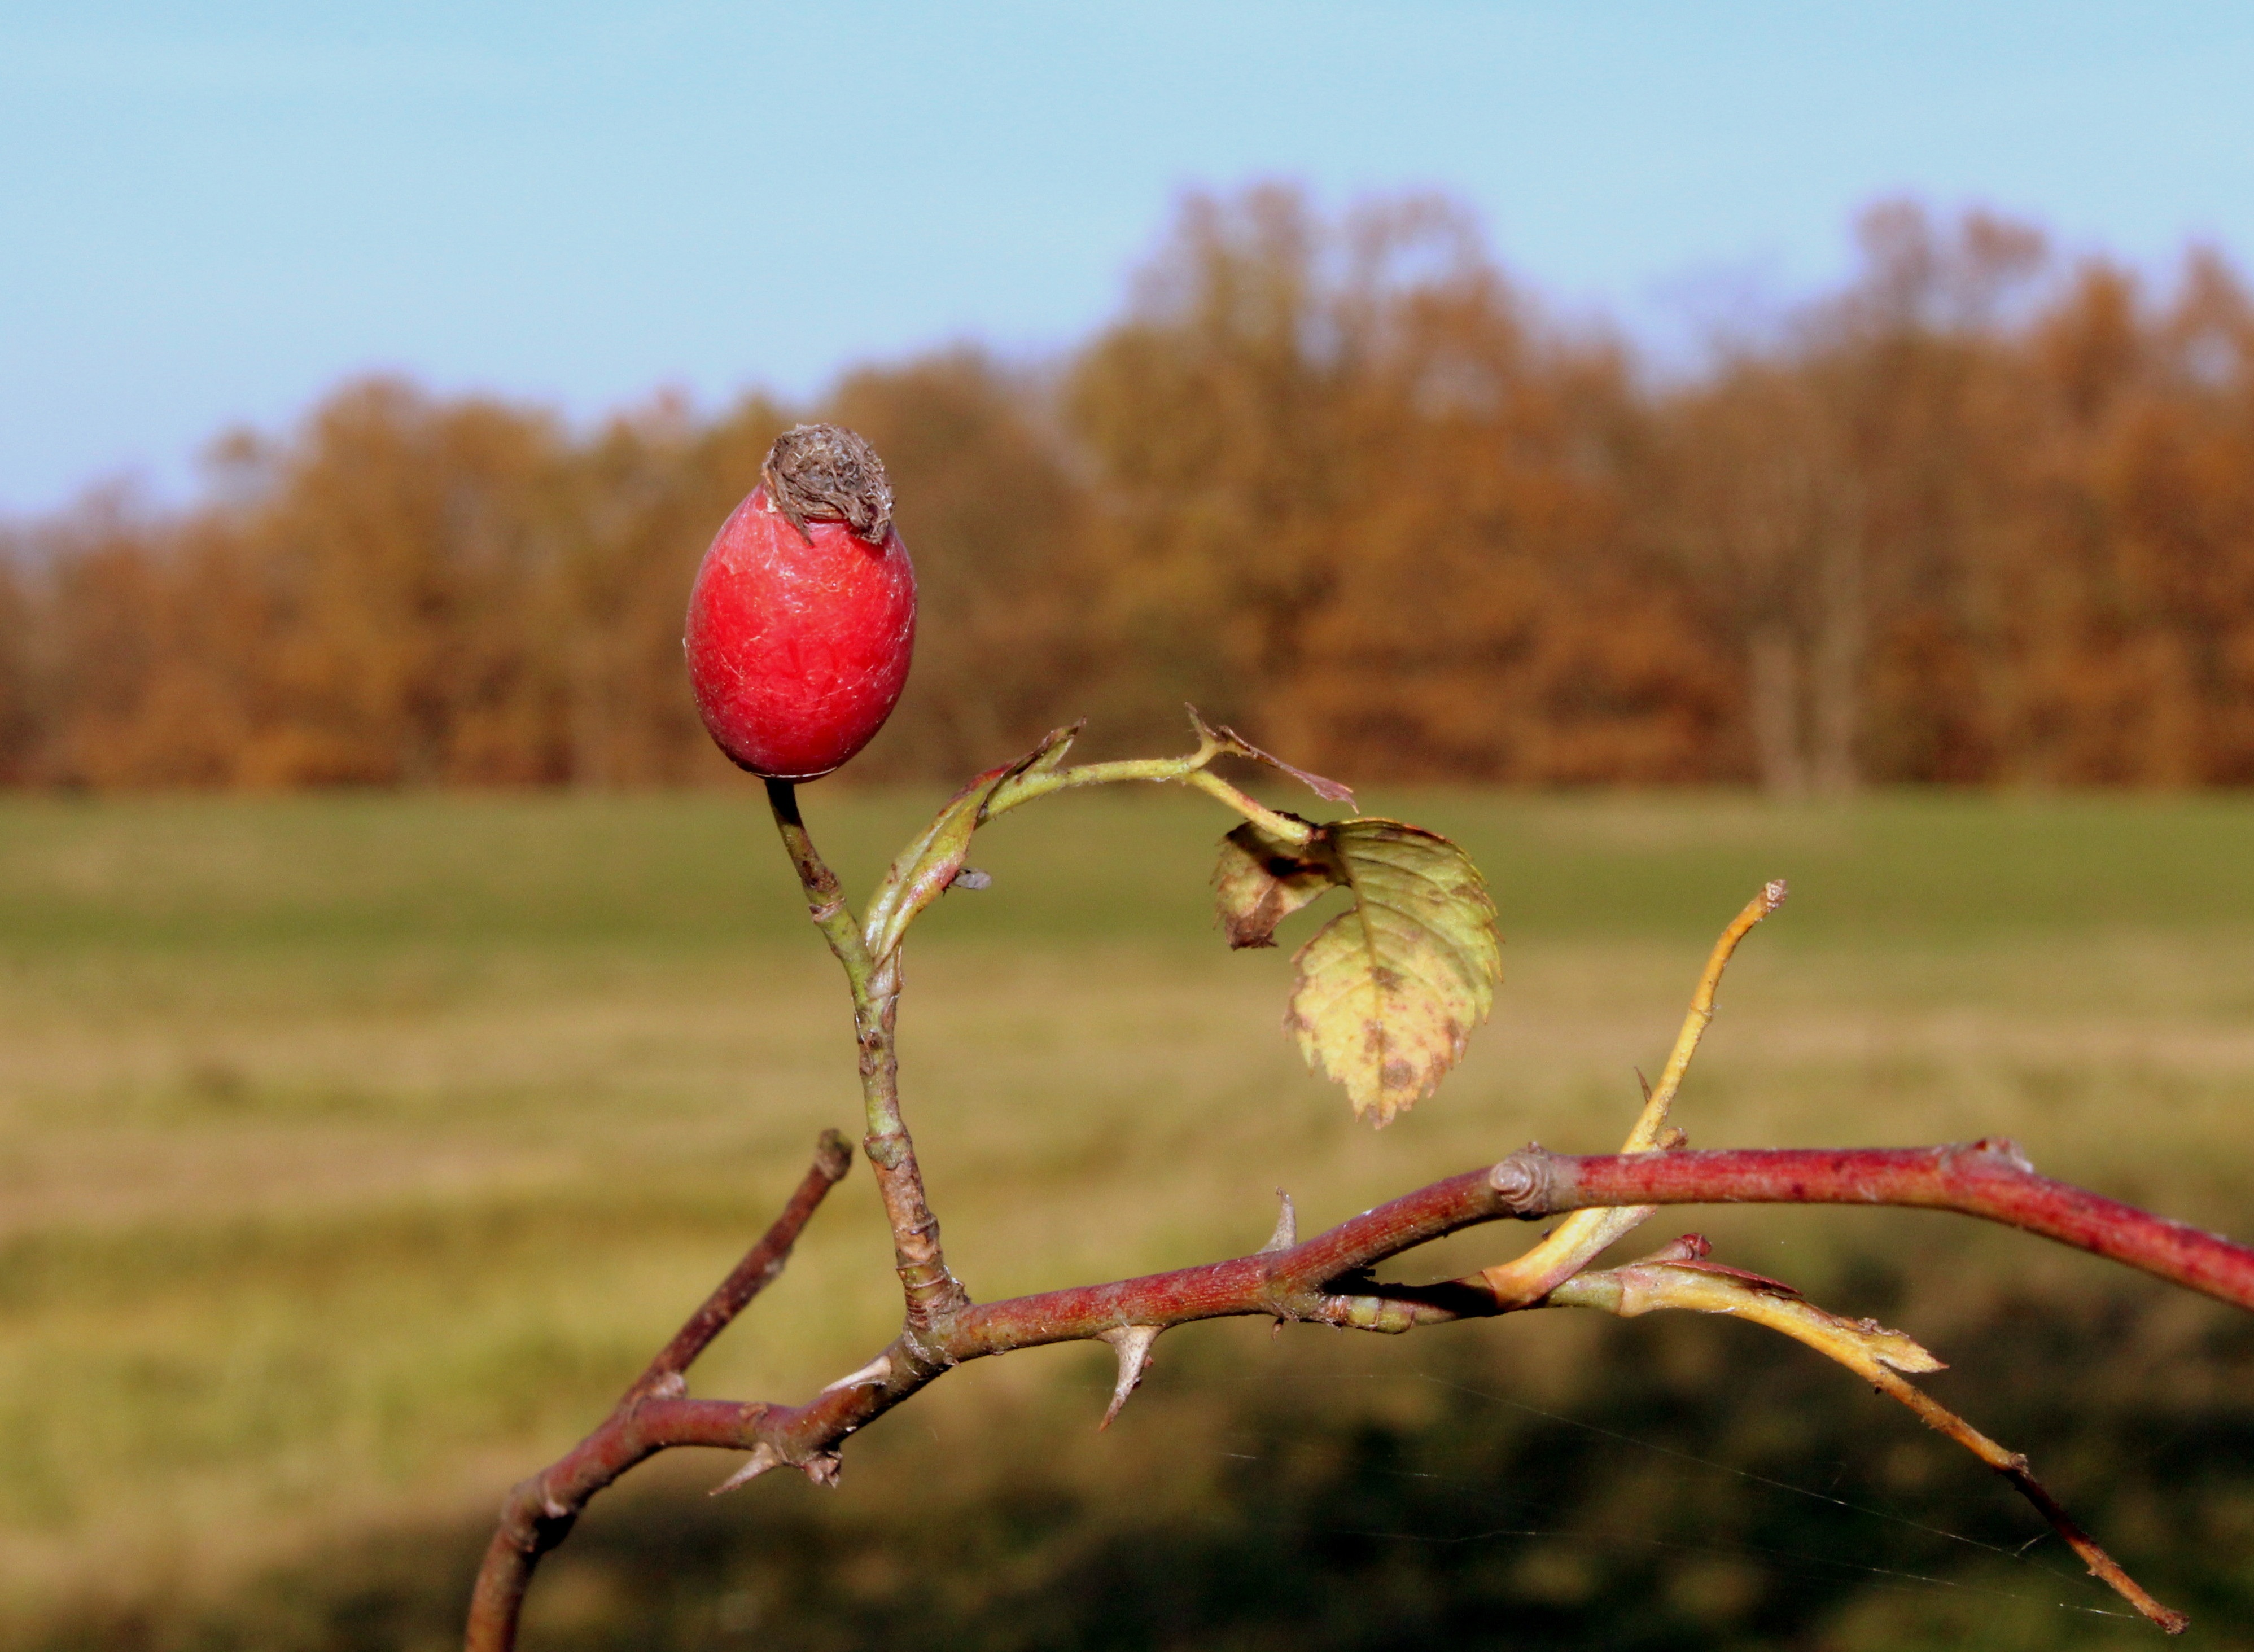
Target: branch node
[1522, 1182]
[921, 1354]
[1132, 1344]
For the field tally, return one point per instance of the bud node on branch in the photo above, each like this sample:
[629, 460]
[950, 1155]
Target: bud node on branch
[1522, 1182]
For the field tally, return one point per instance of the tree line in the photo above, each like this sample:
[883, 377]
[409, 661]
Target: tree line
[1982, 515]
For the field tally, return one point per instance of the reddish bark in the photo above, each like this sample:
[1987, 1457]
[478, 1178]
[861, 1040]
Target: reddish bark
[1324, 1280]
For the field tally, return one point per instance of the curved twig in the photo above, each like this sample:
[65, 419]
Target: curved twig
[651, 1415]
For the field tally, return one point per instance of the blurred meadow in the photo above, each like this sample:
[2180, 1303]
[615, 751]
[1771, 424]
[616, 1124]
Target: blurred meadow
[357, 1148]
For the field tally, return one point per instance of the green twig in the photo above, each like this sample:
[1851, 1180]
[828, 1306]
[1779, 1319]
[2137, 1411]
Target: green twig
[931, 1291]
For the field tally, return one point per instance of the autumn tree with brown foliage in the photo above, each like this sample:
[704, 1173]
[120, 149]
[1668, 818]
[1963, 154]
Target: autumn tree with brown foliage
[1972, 518]
[1410, 501]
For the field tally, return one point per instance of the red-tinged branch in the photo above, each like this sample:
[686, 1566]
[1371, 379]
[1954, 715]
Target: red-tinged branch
[1326, 1280]
[649, 1417]
[833, 1156]
[1989, 1179]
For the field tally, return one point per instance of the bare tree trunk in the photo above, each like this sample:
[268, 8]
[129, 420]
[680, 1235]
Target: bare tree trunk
[1775, 660]
[588, 709]
[1837, 686]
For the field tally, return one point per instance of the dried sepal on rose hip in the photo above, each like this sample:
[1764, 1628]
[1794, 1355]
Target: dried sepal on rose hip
[803, 616]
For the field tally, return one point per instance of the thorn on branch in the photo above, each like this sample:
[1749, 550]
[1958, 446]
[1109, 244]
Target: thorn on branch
[1132, 1344]
[1287, 1228]
[763, 1457]
[2005, 1148]
[822, 1468]
[1692, 1247]
[874, 1372]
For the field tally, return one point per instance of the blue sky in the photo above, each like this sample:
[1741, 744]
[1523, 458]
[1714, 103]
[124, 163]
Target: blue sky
[212, 213]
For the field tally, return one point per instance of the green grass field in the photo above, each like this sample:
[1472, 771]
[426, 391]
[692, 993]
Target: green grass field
[354, 1152]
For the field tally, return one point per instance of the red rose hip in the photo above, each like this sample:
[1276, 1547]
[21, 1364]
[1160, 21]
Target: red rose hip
[803, 612]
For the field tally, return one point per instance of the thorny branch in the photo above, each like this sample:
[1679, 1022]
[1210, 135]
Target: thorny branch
[540, 1511]
[1329, 1278]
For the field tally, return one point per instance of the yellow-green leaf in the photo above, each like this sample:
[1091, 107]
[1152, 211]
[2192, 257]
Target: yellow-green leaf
[1388, 991]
